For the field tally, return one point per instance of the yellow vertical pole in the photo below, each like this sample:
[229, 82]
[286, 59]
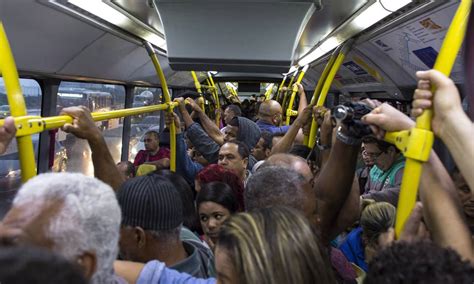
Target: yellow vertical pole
[269, 91]
[285, 95]
[164, 86]
[327, 85]
[289, 110]
[196, 82]
[216, 97]
[444, 63]
[317, 90]
[17, 105]
[282, 84]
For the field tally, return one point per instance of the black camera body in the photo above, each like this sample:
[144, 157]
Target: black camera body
[351, 115]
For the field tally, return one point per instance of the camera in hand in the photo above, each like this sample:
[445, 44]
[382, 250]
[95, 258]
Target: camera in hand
[350, 114]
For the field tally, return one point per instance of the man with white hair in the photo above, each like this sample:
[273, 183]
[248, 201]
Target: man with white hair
[72, 215]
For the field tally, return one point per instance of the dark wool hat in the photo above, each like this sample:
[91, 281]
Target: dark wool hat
[150, 202]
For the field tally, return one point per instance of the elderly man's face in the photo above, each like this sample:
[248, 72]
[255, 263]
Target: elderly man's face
[27, 224]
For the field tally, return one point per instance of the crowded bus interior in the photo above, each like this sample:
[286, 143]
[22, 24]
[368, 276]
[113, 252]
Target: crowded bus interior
[236, 141]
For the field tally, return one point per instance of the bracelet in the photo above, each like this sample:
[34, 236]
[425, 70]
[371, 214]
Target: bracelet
[322, 147]
[347, 139]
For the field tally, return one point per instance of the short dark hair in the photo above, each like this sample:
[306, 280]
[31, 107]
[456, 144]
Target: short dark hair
[235, 109]
[418, 262]
[153, 132]
[274, 186]
[302, 151]
[234, 122]
[267, 139]
[25, 265]
[220, 193]
[243, 150]
[382, 145]
[130, 171]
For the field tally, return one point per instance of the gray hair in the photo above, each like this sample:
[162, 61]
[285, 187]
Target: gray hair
[274, 186]
[88, 221]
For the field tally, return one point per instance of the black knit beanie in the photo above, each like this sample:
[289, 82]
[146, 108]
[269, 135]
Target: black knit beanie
[150, 202]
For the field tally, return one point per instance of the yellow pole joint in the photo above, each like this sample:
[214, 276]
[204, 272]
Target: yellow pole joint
[415, 143]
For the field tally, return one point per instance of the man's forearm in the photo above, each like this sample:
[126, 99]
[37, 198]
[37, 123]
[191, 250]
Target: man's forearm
[334, 184]
[442, 209]
[211, 128]
[458, 135]
[104, 165]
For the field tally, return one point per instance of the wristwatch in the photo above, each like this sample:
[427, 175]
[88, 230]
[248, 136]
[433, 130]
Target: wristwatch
[346, 139]
[322, 147]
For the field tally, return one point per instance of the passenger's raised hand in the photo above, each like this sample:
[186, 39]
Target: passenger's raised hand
[7, 132]
[446, 102]
[181, 103]
[83, 126]
[414, 228]
[173, 118]
[305, 116]
[194, 105]
[387, 118]
[300, 88]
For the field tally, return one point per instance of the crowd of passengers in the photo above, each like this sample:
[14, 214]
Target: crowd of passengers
[249, 203]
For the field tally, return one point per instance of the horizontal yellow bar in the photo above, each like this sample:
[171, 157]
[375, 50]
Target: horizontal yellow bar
[27, 125]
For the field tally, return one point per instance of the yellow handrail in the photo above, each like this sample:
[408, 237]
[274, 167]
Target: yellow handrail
[308, 141]
[154, 58]
[17, 105]
[327, 84]
[289, 110]
[282, 84]
[285, 95]
[269, 91]
[196, 82]
[417, 143]
[216, 98]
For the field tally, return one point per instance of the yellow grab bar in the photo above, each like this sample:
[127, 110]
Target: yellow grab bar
[285, 95]
[327, 85]
[307, 139]
[216, 98]
[269, 91]
[17, 105]
[419, 140]
[282, 84]
[154, 58]
[289, 110]
[196, 82]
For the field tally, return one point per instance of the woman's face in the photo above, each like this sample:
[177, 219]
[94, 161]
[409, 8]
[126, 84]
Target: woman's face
[212, 216]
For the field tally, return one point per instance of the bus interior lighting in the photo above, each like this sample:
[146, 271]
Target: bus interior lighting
[115, 17]
[364, 20]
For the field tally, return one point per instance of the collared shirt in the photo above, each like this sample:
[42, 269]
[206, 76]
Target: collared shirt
[275, 130]
[199, 263]
[155, 272]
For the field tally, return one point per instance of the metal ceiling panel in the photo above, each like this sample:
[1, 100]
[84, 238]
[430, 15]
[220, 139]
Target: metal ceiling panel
[324, 21]
[242, 36]
[142, 10]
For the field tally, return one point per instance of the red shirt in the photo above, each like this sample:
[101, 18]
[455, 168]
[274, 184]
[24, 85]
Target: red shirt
[144, 156]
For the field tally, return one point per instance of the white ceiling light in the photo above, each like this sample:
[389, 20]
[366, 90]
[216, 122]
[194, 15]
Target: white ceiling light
[115, 17]
[365, 19]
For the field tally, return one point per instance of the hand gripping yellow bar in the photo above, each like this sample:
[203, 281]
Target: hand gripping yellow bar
[416, 144]
[216, 98]
[317, 91]
[154, 58]
[17, 105]
[285, 95]
[327, 85]
[268, 93]
[289, 111]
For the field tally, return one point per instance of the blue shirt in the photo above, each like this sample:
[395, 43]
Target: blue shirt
[155, 272]
[353, 249]
[275, 130]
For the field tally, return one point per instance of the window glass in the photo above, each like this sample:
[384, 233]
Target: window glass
[98, 98]
[145, 122]
[10, 174]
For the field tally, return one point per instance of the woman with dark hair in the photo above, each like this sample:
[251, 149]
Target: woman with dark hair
[216, 202]
[215, 172]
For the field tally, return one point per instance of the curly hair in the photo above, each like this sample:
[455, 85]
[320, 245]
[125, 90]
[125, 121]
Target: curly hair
[419, 262]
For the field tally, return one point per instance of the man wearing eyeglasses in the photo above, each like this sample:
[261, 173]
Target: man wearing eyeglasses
[385, 176]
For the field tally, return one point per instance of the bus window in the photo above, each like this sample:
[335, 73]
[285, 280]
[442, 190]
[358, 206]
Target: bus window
[98, 98]
[144, 122]
[10, 174]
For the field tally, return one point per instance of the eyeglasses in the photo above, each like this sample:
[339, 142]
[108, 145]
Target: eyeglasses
[372, 155]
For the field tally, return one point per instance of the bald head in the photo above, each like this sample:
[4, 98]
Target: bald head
[293, 162]
[270, 111]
